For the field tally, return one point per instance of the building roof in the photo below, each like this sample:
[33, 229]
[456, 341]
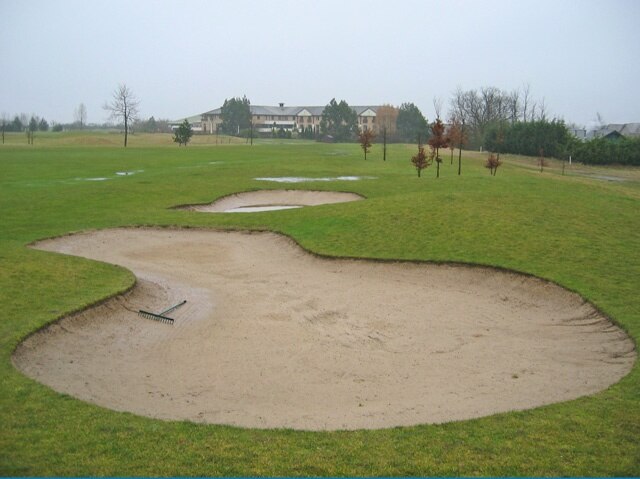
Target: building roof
[191, 119]
[630, 129]
[292, 110]
[624, 129]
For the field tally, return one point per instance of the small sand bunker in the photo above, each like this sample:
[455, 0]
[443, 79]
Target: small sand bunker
[272, 337]
[270, 200]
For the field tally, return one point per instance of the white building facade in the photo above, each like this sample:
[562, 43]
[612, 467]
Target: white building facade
[289, 118]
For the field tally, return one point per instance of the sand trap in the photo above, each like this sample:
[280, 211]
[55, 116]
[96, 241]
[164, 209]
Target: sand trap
[272, 336]
[270, 200]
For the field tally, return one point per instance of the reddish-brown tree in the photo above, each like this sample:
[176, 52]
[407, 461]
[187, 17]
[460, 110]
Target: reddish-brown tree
[457, 137]
[454, 134]
[438, 140]
[366, 137]
[421, 160]
[492, 163]
[541, 161]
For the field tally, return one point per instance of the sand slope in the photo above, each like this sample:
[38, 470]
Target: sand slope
[272, 336]
[274, 198]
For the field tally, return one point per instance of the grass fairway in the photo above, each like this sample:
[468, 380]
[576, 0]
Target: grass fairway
[580, 232]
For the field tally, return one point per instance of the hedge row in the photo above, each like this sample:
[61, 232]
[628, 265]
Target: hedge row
[600, 151]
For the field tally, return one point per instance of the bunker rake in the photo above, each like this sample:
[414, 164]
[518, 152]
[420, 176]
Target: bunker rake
[161, 316]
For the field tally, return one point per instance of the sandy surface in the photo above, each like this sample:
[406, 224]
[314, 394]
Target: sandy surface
[272, 336]
[272, 199]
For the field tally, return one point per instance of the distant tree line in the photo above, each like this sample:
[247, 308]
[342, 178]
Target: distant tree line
[481, 109]
[528, 138]
[475, 110]
[543, 138]
[22, 123]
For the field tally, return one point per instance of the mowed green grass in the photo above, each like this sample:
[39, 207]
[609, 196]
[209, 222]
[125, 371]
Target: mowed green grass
[581, 233]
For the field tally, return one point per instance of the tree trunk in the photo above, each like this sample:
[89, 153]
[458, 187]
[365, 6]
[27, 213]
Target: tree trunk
[384, 148]
[460, 160]
[126, 129]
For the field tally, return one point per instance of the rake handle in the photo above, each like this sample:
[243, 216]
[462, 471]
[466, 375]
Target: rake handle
[172, 308]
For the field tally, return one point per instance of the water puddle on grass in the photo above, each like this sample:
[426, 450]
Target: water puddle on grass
[302, 179]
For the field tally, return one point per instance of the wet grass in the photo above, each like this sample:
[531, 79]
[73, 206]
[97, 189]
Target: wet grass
[582, 233]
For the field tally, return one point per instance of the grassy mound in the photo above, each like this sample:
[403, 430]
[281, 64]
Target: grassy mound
[578, 231]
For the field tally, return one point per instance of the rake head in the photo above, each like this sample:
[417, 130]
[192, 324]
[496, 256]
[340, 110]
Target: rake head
[156, 317]
[161, 316]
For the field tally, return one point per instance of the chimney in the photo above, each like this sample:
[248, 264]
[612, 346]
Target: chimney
[281, 105]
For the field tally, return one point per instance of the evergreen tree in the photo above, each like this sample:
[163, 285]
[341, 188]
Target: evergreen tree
[339, 121]
[411, 123]
[33, 127]
[236, 115]
[183, 133]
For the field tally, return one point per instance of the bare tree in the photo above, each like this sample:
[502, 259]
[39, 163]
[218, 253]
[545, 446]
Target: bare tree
[542, 115]
[514, 106]
[526, 99]
[454, 133]
[478, 109]
[534, 107]
[123, 107]
[80, 115]
[437, 105]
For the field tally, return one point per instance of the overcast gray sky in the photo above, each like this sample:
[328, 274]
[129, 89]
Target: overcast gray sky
[183, 58]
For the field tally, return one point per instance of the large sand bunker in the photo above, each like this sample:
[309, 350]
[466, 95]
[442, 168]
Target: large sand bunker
[269, 200]
[272, 336]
